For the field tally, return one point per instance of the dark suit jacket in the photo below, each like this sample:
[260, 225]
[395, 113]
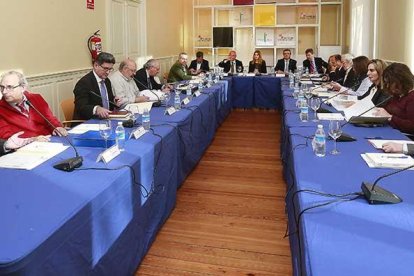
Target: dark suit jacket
[319, 62]
[204, 65]
[280, 65]
[378, 97]
[261, 67]
[351, 79]
[86, 101]
[142, 81]
[226, 65]
[2, 151]
[339, 75]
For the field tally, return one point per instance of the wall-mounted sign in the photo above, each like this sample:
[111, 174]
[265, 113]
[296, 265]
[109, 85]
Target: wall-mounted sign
[90, 4]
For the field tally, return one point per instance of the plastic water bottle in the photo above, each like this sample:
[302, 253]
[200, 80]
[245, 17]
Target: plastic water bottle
[177, 100]
[146, 119]
[301, 96]
[189, 94]
[304, 110]
[295, 92]
[200, 87]
[319, 142]
[291, 80]
[120, 136]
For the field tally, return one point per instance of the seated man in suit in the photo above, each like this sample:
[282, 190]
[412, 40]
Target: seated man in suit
[13, 143]
[315, 65]
[93, 92]
[21, 110]
[179, 70]
[398, 148]
[349, 79]
[145, 77]
[231, 64]
[286, 64]
[125, 88]
[199, 65]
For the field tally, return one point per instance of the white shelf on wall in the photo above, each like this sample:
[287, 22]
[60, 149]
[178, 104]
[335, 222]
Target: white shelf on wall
[299, 21]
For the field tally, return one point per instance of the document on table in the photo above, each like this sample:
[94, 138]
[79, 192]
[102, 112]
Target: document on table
[31, 155]
[388, 160]
[377, 143]
[82, 128]
[343, 102]
[138, 107]
[330, 116]
[360, 107]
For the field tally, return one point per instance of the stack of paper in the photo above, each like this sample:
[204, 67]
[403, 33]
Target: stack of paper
[139, 107]
[388, 160]
[31, 156]
[377, 143]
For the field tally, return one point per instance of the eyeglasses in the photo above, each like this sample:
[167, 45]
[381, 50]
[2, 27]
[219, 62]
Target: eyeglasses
[8, 87]
[106, 69]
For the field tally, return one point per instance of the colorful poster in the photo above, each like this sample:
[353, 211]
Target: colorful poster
[265, 37]
[242, 2]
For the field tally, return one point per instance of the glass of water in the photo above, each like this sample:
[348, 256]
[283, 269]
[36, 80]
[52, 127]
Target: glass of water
[315, 103]
[335, 130]
[105, 130]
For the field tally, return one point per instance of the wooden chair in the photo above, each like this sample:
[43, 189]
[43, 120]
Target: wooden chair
[68, 107]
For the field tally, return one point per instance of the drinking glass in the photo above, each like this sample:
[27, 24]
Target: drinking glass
[239, 69]
[335, 130]
[167, 97]
[105, 130]
[308, 93]
[315, 103]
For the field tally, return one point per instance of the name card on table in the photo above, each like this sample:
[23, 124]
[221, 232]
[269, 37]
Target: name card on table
[197, 93]
[170, 111]
[185, 101]
[108, 154]
[138, 132]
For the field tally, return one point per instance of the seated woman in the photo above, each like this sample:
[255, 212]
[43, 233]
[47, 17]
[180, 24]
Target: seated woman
[257, 65]
[21, 110]
[399, 84]
[375, 92]
[363, 83]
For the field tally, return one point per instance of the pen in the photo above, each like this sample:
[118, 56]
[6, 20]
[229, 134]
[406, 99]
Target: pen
[396, 157]
[373, 137]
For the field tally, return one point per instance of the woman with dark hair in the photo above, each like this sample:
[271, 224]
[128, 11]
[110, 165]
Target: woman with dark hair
[399, 84]
[257, 65]
[363, 83]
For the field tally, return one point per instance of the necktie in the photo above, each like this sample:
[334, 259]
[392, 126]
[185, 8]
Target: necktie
[23, 109]
[232, 67]
[286, 65]
[104, 95]
[149, 84]
[312, 67]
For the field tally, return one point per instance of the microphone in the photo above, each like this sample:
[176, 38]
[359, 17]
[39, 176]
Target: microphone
[156, 103]
[127, 123]
[66, 165]
[377, 195]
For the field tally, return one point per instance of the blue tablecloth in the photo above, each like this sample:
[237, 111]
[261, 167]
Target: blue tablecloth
[96, 221]
[349, 237]
[88, 221]
[257, 91]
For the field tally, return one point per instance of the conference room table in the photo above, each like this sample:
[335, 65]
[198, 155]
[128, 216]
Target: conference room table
[256, 91]
[344, 235]
[102, 218]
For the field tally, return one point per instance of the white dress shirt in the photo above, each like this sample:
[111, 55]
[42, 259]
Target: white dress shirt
[124, 88]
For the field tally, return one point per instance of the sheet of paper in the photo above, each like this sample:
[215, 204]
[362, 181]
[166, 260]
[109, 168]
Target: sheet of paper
[388, 160]
[377, 143]
[138, 107]
[360, 107]
[330, 116]
[82, 128]
[153, 95]
[306, 82]
[31, 155]
[342, 102]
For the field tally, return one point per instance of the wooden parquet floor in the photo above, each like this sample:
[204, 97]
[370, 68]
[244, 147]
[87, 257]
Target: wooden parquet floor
[229, 218]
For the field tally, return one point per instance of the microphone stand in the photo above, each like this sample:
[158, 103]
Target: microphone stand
[66, 165]
[156, 103]
[377, 195]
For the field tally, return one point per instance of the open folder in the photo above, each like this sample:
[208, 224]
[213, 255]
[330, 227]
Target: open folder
[138, 107]
[358, 114]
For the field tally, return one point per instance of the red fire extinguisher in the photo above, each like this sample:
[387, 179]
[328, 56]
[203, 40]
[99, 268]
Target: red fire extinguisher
[95, 45]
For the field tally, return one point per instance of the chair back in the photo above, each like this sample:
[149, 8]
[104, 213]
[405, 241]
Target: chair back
[67, 107]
